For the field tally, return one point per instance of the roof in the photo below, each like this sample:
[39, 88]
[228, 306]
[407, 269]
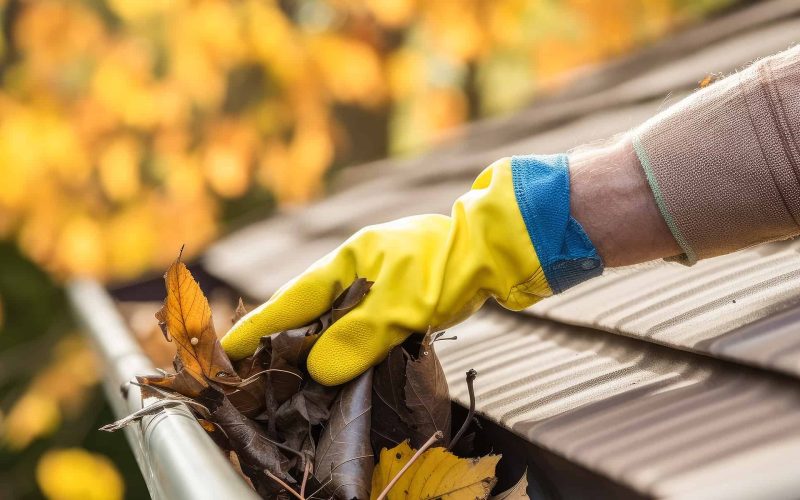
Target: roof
[662, 421]
[672, 381]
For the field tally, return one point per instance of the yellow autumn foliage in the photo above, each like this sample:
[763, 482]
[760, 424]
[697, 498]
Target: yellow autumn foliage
[120, 114]
[77, 474]
[59, 390]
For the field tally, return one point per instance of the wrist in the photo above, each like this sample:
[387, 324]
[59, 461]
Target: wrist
[611, 199]
[542, 190]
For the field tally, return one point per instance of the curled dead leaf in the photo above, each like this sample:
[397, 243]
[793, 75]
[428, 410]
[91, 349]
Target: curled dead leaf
[391, 418]
[180, 382]
[254, 448]
[350, 298]
[427, 395]
[344, 458]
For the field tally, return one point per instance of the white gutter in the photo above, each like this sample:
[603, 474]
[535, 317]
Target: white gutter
[177, 459]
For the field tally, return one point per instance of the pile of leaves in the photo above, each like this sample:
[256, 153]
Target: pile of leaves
[292, 437]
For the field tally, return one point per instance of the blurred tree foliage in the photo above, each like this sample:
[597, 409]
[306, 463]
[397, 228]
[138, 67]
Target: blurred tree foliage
[131, 127]
[49, 404]
[128, 127]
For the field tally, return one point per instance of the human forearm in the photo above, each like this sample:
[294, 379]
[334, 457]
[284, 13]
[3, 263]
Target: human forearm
[716, 172]
[611, 199]
[724, 162]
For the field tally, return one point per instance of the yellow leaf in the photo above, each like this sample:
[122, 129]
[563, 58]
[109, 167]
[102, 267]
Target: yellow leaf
[34, 415]
[76, 474]
[406, 72]
[389, 464]
[392, 13]
[141, 11]
[118, 168]
[455, 29]
[437, 473]
[59, 390]
[227, 158]
[130, 240]
[350, 68]
[80, 247]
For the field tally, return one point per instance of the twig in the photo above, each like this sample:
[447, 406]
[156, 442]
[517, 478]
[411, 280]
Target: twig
[253, 377]
[440, 336]
[269, 370]
[305, 477]
[138, 415]
[284, 447]
[172, 395]
[284, 485]
[322, 487]
[436, 436]
[471, 374]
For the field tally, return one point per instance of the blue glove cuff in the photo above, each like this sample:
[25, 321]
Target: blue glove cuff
[541, 186]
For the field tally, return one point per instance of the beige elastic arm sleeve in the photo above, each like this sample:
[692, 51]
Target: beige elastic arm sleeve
[724, 163]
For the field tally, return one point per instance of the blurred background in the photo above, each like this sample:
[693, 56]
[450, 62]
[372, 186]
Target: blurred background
[131, 127]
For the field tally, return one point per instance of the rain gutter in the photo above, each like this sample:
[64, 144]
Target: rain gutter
[177, 459]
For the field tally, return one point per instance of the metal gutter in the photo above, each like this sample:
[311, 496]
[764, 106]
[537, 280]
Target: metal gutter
[177, 459]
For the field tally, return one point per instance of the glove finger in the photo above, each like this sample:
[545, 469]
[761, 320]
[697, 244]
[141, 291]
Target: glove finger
[297, 303]
[351, 346]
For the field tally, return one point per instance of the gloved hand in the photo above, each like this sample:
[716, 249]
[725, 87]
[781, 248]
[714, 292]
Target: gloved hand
[430, 272]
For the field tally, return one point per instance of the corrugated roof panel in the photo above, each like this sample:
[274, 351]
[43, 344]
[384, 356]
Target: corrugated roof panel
[716, 307]
[660, 421]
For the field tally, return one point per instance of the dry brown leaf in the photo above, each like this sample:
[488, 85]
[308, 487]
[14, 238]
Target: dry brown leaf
[437, 473]
[344, 458]
[391, 419]
[181, 382]
[427, 396]
[186, 319]
[239, 313]
[350, 298]
[254, 448]
[249, 397]
[517, 492]
[708, 80]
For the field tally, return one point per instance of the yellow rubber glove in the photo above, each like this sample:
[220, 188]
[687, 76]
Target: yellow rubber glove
[430, 271]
